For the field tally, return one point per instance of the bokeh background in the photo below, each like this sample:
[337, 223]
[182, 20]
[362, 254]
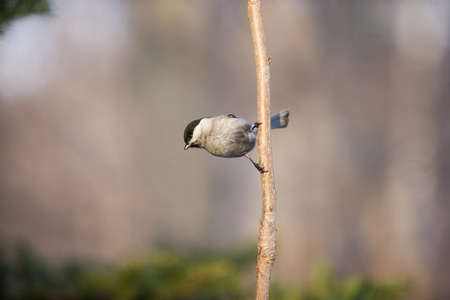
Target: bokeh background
[95, 96]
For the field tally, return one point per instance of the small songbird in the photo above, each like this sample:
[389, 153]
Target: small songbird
[228, 135]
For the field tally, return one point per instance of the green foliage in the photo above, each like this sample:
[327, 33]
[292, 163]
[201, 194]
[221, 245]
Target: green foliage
[13, 9]
[164, 275]
[325, 286]
[169, 275]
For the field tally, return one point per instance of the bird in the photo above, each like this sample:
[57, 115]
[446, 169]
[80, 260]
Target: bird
[229, 135]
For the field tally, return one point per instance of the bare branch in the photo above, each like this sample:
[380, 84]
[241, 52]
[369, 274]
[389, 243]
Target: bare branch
[267, 229]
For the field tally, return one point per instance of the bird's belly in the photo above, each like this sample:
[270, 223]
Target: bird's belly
[231, 145]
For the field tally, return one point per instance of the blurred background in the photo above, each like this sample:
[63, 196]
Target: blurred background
[95, 96]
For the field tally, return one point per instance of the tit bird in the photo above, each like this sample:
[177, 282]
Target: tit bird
[228, 135]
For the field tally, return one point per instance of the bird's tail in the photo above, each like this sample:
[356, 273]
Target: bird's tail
[280, 120]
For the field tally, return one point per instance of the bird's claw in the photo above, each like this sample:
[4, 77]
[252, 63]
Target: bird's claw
[255, 125]
[260, 169]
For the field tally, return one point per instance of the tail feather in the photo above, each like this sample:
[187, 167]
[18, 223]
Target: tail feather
[280, 120]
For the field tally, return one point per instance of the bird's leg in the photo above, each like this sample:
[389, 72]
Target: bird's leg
[255, 125]
[257, 166]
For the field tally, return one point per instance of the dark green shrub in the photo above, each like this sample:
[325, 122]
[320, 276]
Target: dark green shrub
[168, 275]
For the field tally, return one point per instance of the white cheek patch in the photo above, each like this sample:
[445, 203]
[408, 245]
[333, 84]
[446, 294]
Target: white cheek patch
[204, 127]
[196, 134]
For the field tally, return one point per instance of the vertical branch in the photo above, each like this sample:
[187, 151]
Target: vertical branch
[267, 229]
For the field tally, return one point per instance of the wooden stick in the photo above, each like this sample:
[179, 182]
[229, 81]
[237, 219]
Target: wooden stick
[267, 229]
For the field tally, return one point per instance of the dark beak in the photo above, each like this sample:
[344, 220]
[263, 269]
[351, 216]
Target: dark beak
[187, 146]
